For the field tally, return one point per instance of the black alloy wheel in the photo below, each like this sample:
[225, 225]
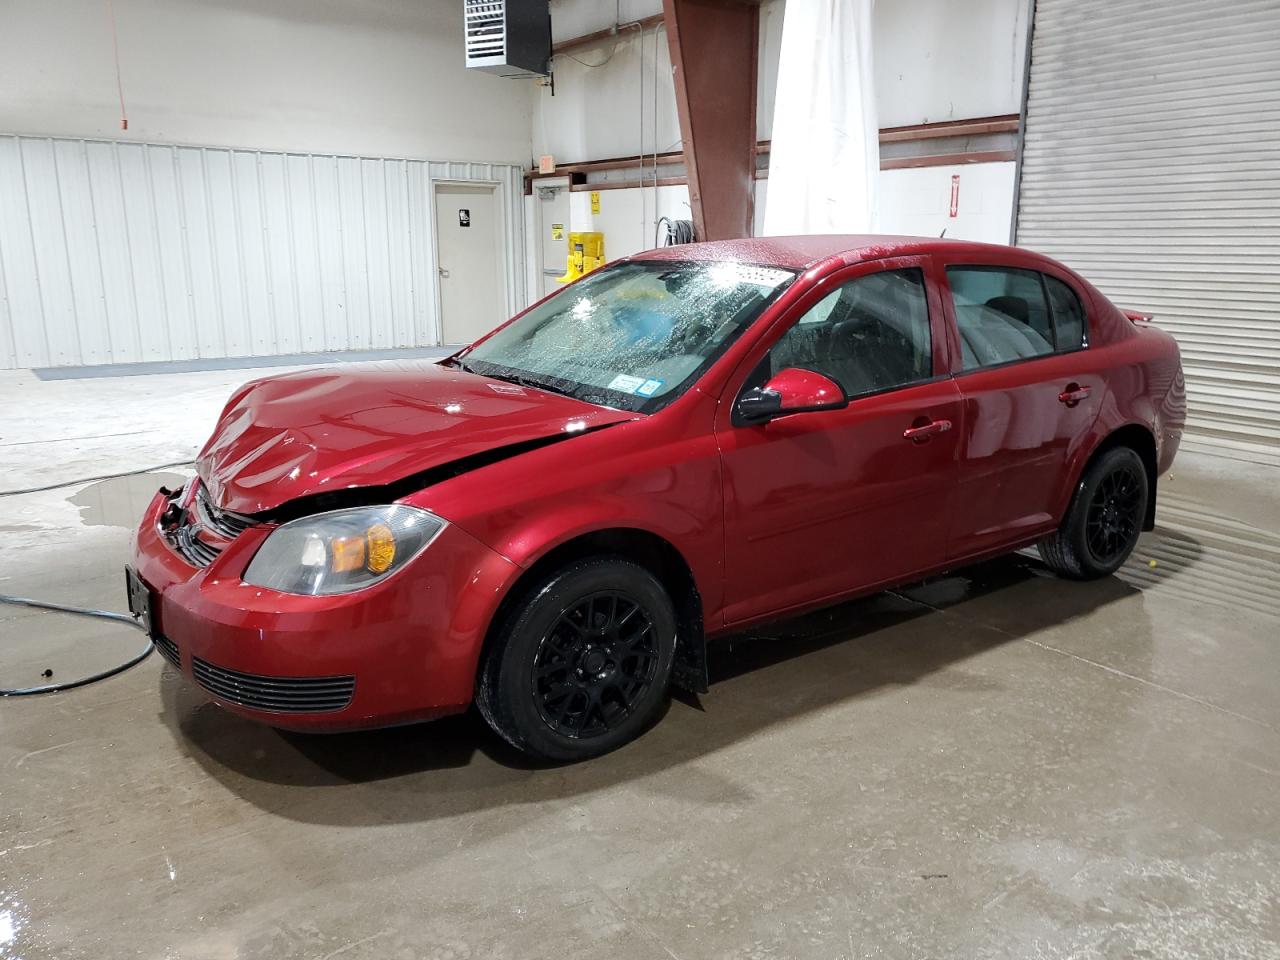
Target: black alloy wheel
[580, 660]
[1104, 520]
[1115, 513]
[595, 664]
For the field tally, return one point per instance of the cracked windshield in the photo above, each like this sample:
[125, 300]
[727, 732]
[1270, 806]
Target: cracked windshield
[632, 336]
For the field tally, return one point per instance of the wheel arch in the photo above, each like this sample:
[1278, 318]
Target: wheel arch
[1139, 438]
[647, 549]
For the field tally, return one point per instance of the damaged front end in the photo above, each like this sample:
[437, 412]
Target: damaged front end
[310, 441]
[197, 530]
[306, 624]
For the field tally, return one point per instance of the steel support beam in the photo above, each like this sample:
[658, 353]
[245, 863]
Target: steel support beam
[713, 47]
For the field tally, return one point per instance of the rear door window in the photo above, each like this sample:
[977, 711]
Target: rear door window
[1007, 314]
[1002, 314]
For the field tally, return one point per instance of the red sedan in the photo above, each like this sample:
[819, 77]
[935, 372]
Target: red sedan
[552, 521]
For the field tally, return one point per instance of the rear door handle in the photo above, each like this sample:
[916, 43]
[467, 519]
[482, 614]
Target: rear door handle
[924, 428]
[1073, 394]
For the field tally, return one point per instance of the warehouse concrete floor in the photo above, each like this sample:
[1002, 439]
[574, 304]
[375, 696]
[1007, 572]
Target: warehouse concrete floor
[993, 764]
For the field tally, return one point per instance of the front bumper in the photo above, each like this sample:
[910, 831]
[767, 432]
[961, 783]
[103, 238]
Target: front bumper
[399, 651]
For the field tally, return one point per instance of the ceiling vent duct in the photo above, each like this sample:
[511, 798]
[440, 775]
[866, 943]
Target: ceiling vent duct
[511, 38]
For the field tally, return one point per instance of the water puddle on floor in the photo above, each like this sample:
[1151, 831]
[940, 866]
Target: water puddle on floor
[1198, 554]
[119, 501]
[40, 647]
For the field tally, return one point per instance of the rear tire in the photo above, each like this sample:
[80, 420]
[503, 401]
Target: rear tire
[1105, 518]
[580, 664]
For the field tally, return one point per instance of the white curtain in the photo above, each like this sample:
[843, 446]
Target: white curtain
[825, 157]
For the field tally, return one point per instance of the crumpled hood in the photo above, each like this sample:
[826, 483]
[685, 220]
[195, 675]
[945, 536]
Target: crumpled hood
[324, 430]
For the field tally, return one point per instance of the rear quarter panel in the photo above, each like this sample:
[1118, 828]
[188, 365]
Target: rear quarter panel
[1142, 371]
[1138, 364]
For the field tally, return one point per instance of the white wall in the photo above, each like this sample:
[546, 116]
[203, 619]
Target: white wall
[608, 110]
[935, 60]
[576, 18]
[917, 202]
[948, 59]
[370, 78]
[120, 252]
[592, 114]
[118, 246]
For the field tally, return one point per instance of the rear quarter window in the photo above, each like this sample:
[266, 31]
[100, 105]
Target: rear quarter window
[1068, 315]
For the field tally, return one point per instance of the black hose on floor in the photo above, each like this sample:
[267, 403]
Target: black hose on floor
[79, 612]
[106, 476]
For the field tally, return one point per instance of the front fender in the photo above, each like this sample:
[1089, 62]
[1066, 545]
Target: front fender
[634, 476]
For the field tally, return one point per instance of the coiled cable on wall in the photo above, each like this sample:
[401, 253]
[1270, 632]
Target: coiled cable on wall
[678, 231]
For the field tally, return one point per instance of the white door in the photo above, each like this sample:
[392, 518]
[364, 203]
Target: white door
[1151, 160]
[553, 234]
[469, 248]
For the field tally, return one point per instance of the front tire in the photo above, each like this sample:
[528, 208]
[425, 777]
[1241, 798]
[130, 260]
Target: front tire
[580, 664]
[1105, 518]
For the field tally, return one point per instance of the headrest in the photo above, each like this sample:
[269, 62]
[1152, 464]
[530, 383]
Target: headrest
[1016, 307]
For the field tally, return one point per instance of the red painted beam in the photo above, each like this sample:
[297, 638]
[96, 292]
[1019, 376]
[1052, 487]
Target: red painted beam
[713, 47]
[948, 159]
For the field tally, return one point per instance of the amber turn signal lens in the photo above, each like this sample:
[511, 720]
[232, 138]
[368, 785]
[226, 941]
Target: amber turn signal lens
[346, 554]
[342, 551]
[382, 548]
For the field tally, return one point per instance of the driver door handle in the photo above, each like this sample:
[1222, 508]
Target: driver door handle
[1073, 394]
[925, 428]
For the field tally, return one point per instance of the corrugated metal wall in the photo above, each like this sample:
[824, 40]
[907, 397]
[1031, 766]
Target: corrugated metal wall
[1152, 165]
[116, 252]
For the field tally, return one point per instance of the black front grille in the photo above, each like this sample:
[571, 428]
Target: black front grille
[278, 694]
[229, 524]
[166, 648]
[220, 526]
[195, 550]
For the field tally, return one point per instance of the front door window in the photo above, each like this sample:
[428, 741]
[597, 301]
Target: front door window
[868, 335]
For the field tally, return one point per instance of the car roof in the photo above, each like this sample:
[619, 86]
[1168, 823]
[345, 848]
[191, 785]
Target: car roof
[802, 252]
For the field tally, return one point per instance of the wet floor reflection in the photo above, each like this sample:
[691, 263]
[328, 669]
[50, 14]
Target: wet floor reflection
[763, 679]
[918, 635]
[1214, 558]
[119, 501]
[13, 922]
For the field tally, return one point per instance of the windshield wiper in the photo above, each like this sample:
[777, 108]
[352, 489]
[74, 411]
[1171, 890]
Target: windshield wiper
[531, 382]
[516, 378]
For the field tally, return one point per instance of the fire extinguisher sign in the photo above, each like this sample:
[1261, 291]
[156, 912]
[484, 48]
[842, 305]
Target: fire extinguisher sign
[955, 195]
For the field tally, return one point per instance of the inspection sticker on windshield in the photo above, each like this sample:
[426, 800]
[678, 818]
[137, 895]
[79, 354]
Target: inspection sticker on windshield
[639, 386]
[624, 383]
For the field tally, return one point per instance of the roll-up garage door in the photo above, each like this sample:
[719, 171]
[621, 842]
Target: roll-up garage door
[1152, 166]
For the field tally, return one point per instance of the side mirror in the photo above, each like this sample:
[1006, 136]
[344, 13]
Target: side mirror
[792, 390]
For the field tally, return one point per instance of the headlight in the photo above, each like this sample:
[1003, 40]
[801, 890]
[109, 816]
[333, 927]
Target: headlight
[342, 551]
